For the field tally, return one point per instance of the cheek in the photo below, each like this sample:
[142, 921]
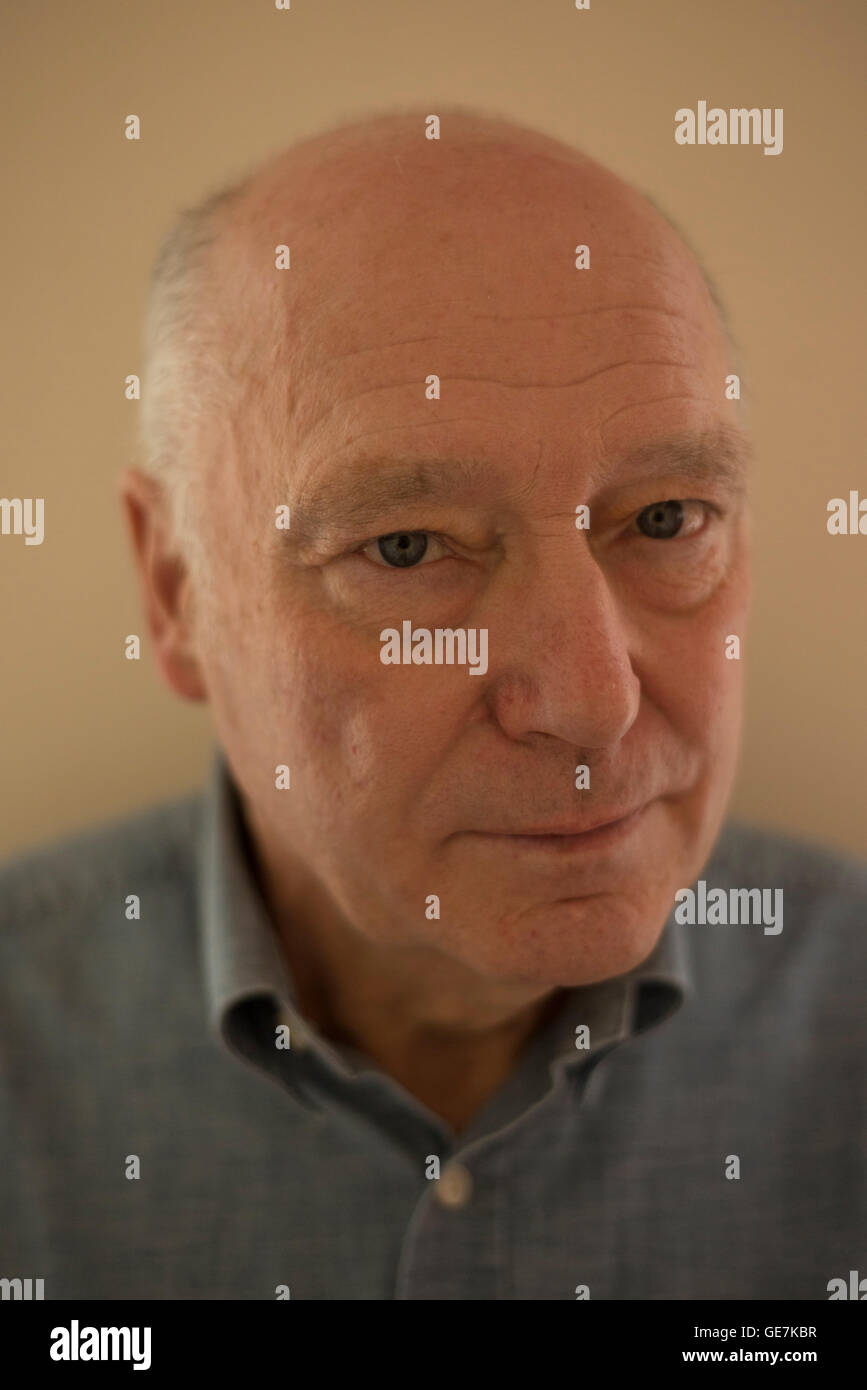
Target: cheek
[711, 688]
[372, 734]
[722, 652]
[245, 716]
[687, 674]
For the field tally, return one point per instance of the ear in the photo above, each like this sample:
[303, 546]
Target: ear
[165, 583]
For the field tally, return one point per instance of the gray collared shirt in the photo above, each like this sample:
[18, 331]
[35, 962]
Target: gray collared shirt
[155, 1142]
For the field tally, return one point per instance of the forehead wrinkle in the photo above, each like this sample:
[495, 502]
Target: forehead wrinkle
[583, 313]
[320, 410]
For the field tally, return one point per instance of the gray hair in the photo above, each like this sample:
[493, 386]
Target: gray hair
[181, 375]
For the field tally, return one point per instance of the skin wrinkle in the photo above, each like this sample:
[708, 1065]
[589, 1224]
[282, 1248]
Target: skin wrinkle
[358, 352]
[508, 385]
[582, 313]
[656, 400]
[603, 648]
[520, 385]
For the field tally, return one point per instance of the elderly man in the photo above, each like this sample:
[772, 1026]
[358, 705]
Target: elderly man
[451, 986]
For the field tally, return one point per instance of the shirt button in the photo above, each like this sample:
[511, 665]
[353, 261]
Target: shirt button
[455, 1186]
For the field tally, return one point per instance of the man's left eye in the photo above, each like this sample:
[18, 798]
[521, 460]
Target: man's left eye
[663, 520]
[402, 549]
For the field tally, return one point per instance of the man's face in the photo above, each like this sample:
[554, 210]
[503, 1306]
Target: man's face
[559, 388]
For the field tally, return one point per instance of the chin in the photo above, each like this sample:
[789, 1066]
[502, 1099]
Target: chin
[576, 941]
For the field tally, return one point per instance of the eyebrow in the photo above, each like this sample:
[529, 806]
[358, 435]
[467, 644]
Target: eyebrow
[371, 487]
[721, 454]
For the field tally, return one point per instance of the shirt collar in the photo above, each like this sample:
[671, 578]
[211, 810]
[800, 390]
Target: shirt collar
[241, 953]
[242, 956]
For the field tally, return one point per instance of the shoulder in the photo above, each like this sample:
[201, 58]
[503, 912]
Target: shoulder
[812, 960]
[815, 876]
[78, 873]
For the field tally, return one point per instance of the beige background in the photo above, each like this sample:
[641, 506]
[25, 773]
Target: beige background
[86, 734]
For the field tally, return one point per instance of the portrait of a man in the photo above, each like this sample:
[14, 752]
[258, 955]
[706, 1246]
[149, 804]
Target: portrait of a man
[457, 979]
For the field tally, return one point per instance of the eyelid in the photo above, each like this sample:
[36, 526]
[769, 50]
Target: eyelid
[684, 502]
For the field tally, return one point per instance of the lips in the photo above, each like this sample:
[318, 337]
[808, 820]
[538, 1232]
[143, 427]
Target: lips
[571, 829]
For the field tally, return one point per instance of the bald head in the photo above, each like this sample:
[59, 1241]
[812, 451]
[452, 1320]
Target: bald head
[372, 206]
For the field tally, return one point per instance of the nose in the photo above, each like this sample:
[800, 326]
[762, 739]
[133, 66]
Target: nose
[561, 665]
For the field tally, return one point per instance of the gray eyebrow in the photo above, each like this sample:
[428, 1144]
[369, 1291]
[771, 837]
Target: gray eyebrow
[359, 496]
[718, 455]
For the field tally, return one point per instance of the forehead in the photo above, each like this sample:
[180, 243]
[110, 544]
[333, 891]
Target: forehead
[431, 264]
[381, 231]
[484, 247]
